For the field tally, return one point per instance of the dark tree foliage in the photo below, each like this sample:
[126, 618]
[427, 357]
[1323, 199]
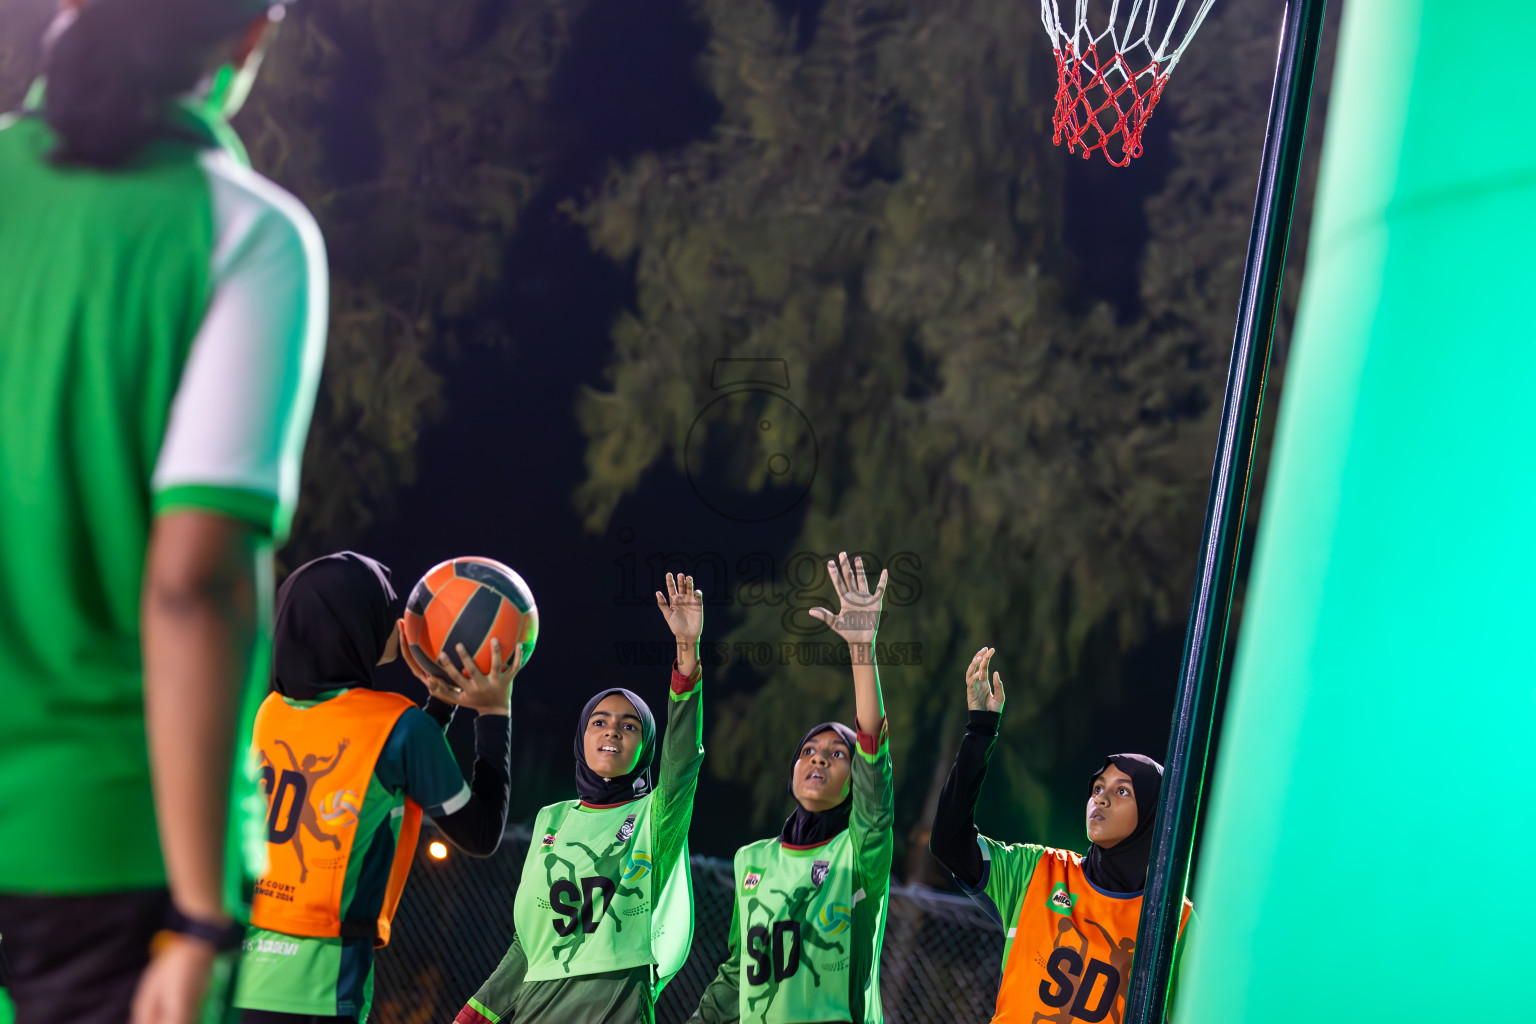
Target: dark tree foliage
[878, 207]
[412, 132]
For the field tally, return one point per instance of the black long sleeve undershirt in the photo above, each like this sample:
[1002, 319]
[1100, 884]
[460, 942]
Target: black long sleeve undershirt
[953, 838]
[476, 828]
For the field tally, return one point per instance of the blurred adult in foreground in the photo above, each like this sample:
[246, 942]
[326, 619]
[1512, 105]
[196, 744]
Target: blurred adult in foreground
[162, 312]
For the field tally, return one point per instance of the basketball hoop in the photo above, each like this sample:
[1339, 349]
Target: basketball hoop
[1110, 75]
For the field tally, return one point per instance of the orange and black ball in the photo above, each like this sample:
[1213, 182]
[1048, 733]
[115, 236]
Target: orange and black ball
[469, 601]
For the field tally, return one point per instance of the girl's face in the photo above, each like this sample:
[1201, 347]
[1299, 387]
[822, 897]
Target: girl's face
[1111, 808]
[612, 740]
[821, 774]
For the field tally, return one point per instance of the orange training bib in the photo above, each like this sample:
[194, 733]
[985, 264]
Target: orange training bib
[1072, 947]
[316, 766]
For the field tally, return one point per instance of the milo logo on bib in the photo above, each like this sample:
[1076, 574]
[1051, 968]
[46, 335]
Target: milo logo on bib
[1060, 900]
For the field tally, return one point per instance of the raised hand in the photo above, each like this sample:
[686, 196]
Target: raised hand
[683, 607]
[858, 618]
[979, 694]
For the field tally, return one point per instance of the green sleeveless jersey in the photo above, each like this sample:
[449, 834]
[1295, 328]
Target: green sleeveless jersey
[587, 899]
[794, 912]
[604, 907]
[807, 923]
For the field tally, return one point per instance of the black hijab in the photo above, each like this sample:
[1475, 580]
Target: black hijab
[595, 789]
[812, 828]
[334, 617]
[1123, 867]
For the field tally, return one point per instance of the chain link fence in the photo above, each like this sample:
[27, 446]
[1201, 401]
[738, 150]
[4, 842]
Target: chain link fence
[941, 958]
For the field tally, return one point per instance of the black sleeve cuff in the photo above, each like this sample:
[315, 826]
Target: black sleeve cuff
[493, 737]
[980, 888]
[439, 711]
[982, 723]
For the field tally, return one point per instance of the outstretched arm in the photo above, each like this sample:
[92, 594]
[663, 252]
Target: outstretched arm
[683, 608]
[953, 838]
[293, 762]
[857, 621]
[874, 810]
[682, 748]
[335, 760]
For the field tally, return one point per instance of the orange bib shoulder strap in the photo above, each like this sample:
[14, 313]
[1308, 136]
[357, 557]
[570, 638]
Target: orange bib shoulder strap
[1070, 959]
[316, 764]
[399, 869]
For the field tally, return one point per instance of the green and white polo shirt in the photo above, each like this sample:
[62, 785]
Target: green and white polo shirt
[161, 338]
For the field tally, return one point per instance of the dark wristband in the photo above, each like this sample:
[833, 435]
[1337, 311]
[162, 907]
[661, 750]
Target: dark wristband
[982, 723]
[222, 937]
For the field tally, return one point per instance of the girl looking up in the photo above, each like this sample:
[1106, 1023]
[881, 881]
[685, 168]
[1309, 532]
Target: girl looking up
[1071, 919]
[810, 903]
[604, 909]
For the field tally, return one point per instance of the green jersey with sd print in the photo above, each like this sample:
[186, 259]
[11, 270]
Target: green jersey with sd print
[795, 915]
[581, 951]
[808, 923]
[584, 903]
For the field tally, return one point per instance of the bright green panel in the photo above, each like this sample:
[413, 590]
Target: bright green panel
[1361, 860]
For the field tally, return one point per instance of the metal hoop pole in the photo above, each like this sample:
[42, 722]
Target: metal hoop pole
[1205, 640]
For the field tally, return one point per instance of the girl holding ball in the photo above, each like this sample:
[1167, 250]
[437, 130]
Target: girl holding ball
[604, 909]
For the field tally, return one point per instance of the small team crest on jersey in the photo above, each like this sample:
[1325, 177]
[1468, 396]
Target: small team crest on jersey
[819, 871]
[834, 918]
[638, 867]
[754, 877]
[625, 830]
[1060, 901]
[549, 839]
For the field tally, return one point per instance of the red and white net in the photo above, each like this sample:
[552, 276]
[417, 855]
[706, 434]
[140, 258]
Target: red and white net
[1113, 58]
